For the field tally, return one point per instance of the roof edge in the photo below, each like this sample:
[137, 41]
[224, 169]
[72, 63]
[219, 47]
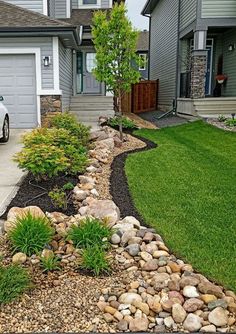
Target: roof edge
[148, 7]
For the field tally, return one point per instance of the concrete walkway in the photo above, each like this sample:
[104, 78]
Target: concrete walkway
[10, 174]
[172, 120]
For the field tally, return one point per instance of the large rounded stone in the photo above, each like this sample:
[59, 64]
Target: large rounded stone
[151, 265]
[192, 323]
[210, 288]
[129, 298]
[104, 209]
[139, 325]
[178, 313]
[115, 239]
[133, 249]
[193, 304]
[190, 292]
[208, 329]
[131, 220]
[19, 258]
[218, 317]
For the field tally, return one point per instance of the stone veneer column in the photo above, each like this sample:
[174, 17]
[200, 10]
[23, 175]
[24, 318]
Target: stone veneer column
[198, 74]
[50, 103]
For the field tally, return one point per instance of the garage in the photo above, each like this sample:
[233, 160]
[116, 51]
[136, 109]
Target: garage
[18, 87]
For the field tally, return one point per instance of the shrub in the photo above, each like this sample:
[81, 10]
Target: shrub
[14, 280]
[48, 152]
[58, 198]
[50, 263]
[43, 161]
[68, 186]
[230, 122]
[30, 234]
[90, 232]
[95, 260]
[126, 123]
[68, 121]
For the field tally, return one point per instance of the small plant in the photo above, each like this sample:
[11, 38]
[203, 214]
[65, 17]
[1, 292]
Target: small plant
[50, 263]
[58, 198]
[68, 121]
[14, 280]
[221, 118]
[43, 161]
[126, 123]
[90, 232]
[30, 234]
[68, 186]
[230, 122]
[94, 259]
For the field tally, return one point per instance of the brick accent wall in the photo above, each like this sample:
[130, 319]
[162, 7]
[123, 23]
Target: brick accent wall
[198, 76]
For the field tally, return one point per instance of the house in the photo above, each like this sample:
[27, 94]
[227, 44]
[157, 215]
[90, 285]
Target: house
[46, 56]
[143, 53]
[191, 43]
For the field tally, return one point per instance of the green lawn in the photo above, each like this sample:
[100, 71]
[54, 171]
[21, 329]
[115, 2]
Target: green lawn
[186, 189]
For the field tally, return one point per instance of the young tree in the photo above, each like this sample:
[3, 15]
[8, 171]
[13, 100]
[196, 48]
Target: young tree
[115, 42]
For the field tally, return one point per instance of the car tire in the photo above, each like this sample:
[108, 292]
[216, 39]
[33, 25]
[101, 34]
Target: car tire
[5, 130]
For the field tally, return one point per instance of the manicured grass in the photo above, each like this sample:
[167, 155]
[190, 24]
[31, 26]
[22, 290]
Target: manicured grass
[186, 189]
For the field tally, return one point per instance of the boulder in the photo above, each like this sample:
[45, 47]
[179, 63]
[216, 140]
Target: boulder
[107, 143]
[139, 325]
[192, 323]
[210, 288]
[79, 194]
[131, 220]
[129, 298]
[104, 209]
[218, 317]
[19, 258]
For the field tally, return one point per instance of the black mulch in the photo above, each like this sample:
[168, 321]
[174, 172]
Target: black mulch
[119, 188]
[172, 120]
[30, 191]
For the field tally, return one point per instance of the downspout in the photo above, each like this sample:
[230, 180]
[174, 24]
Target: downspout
[177, 61]
[149, 43]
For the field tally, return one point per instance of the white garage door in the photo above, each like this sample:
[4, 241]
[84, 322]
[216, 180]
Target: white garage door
[18, 87]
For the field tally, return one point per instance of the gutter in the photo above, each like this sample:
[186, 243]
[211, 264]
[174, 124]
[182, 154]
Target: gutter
[177, 57]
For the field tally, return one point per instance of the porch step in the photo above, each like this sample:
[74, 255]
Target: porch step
[213, 107]
[88, 109]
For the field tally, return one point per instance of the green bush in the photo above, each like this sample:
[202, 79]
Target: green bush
[221, 118]
[58, 198]
[14, 280]
[30, 234]
[126, 123]
[230, 122]
[50, 263]
[94, 259]
[68, 121]
[90, 232]
[47, 152]
[43, 161]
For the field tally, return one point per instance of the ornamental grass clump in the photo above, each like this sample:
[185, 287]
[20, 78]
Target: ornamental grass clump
[90, 232]
[68, 121]
[50, 263]
[95, 260]
[31, 234]
[14, 280]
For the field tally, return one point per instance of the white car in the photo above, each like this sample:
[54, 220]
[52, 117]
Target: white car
[4, 122]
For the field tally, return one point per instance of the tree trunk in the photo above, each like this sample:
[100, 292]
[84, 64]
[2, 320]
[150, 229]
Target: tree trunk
[120, 115]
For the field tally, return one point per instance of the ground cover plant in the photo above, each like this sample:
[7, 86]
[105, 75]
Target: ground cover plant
[128, 124]
[185, 189]
[14, 280]
[95, 260]
[31, 234]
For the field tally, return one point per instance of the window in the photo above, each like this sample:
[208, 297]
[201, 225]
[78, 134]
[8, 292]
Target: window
[90, 61]
[89, 2]
[142, 61]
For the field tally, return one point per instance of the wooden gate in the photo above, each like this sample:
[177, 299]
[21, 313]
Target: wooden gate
[142, 98]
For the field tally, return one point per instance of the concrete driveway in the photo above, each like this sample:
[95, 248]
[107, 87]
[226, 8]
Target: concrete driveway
[10, 174]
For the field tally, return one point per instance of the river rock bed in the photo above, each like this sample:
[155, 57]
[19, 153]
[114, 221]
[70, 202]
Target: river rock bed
[149, 290]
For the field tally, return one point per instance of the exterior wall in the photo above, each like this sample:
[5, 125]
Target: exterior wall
[58, 9]
[229, 63]
[45, 45]
[144, 73]
[35, 5]
[50, 104]
[198, 72]
[218, 8]
[66, 75]
[188, 12]
[163, 49]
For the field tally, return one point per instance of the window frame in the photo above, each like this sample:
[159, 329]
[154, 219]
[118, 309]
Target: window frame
[87, 6]
[145, 65]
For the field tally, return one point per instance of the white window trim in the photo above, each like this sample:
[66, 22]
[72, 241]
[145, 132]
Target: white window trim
[45, 7]
[56, 74]
[141, 68]
[98, 5]
[110, 3]
[68, 8]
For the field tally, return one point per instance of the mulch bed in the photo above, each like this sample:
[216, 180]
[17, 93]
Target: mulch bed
[30, 191]
[119, 188]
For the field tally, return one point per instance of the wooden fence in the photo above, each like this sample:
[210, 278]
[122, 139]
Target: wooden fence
[142, 98]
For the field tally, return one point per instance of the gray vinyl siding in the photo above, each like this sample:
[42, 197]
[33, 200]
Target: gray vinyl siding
[163, 49]
[45, 45]
[105, 4]
[75, 4]
[57, 9]
[66, 75]
[35, 5]
[188, 12]
[229, 60]
[218, 8]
